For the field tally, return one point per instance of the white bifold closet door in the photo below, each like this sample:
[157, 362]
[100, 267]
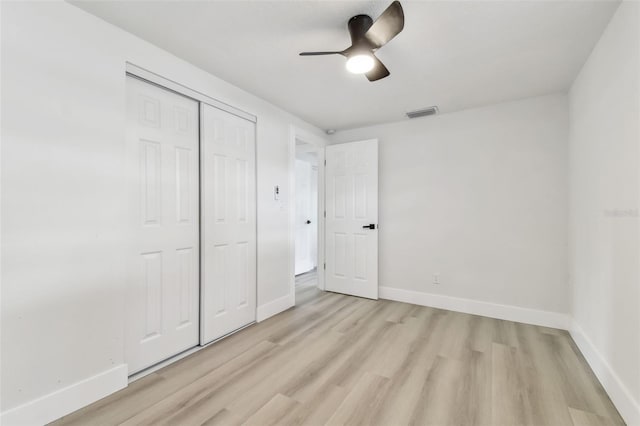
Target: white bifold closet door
[162, 309]
[228, 221]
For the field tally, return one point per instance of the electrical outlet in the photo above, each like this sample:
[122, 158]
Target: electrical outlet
[436, 278]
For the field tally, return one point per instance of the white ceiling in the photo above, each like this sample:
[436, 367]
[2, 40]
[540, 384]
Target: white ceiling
[454, 54]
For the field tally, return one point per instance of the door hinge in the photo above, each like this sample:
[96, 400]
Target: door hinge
[325, 265]
[325, 213]
[325, 162]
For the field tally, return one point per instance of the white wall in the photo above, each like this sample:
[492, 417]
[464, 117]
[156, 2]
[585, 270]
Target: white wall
[480, 197]
[63, 196]
[604, 201]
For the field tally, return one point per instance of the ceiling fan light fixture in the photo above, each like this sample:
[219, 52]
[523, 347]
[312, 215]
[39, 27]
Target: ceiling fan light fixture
[360, 63]
[367, 36]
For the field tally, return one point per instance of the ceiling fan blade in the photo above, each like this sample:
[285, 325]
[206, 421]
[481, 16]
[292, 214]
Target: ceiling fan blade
[320, 53]
[378, 71]
[386, 27]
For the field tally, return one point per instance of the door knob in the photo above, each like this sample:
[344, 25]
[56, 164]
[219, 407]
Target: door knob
[308, 221]
[369, 226]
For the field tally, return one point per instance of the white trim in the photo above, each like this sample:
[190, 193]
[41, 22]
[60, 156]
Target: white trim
[620, 396]
[151, 77]
[475, 307]
[292, 215]
[274, 307]
[67, 400]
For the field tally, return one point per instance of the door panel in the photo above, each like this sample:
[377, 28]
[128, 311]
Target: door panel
[162, 310]
[352, 203]
[228, 222]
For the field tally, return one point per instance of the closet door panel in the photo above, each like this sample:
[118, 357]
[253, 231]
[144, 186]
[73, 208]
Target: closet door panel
[162, 146]
[228, 222]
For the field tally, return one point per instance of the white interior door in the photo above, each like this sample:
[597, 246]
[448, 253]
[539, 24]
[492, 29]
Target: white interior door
[352, 218]
[304, 224]
[162, 281]
[228, 221]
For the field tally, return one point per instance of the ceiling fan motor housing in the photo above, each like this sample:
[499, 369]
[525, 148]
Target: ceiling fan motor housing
[358, 26]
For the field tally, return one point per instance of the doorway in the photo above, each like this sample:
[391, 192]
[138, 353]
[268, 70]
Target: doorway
[306, 209]
[306, 217]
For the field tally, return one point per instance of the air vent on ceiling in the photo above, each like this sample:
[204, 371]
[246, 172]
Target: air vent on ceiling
[433, 110]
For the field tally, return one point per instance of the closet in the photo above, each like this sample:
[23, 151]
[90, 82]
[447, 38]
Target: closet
[191, 263]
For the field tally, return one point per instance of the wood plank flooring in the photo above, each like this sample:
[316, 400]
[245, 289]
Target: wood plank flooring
[336, 359]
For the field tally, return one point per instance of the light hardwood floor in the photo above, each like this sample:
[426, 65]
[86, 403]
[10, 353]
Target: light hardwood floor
[336, 359]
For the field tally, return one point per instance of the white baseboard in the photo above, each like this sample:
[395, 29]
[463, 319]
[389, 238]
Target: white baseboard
[274, 307]
[67, 400]
[475, 307]
[615, 388]
[620, 396]
[301, 268]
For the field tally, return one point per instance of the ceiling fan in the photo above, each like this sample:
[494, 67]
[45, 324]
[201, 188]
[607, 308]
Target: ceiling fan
[367, 37]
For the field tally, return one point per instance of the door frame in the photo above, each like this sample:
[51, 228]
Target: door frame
[150, 77]
[296, 133]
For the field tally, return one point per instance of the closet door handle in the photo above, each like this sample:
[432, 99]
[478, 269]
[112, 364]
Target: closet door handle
[369, 226]
[308, 221]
